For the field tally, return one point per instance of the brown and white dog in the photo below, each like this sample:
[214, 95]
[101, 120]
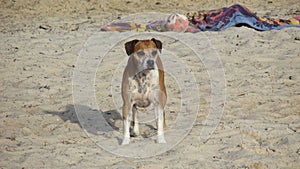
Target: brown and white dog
[143, 85]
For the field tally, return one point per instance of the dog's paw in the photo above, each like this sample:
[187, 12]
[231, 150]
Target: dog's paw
[134, 132]
[161, 139]
[126, 141]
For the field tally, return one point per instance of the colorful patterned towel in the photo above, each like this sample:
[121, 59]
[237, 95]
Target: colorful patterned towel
[212, 20]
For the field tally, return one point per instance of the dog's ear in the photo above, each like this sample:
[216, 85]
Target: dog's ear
[129, 46]
[157, 43]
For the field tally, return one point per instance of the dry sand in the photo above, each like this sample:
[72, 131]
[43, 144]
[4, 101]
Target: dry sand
[40, 42]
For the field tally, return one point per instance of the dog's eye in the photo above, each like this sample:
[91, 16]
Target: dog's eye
[140, 53]
[154, 53]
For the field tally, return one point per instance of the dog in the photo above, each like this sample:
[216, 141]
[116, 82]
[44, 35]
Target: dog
[143, 85]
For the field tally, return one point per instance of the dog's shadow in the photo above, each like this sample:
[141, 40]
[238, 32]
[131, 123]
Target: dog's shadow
[94, 123]
[89, 116]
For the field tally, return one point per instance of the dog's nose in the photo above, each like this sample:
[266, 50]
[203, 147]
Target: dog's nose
[150, 63]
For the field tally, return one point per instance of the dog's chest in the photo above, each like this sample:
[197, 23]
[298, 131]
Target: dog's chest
[142, 87]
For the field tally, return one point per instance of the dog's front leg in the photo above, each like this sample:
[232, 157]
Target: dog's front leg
[135, 131]
[160, 124]
[127, 113]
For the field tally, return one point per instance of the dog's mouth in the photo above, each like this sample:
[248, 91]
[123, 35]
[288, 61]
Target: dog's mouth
[145, 71]
[150, 68]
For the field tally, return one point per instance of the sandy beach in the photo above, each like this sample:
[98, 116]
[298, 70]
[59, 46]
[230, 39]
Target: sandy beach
[49, 73]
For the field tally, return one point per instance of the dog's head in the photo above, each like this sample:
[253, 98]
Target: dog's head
[144, 52]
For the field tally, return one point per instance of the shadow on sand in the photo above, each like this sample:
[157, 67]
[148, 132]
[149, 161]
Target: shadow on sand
[88, 118]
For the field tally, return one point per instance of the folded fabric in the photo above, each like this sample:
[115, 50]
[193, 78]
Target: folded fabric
[212, 20]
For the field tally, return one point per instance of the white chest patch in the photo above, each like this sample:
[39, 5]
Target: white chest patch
[143, 87]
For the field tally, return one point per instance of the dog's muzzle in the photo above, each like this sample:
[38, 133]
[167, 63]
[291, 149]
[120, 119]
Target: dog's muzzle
[150, 64]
